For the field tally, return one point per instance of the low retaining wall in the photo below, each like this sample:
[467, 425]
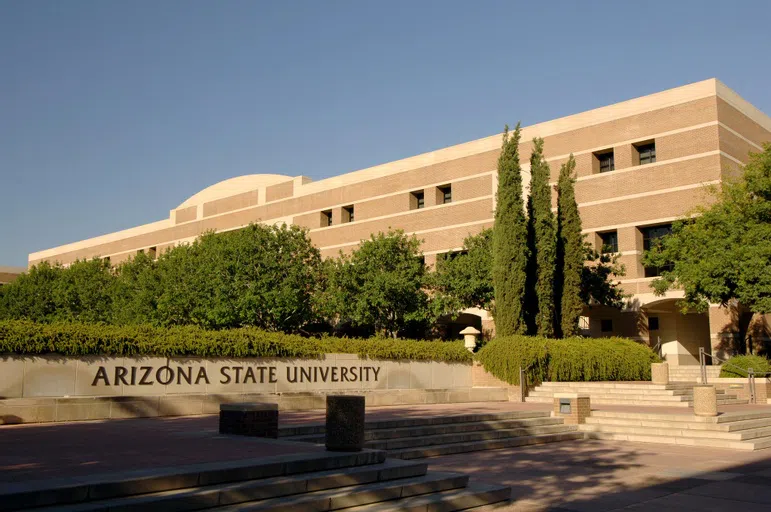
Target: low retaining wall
[741, 388]
[55, 388]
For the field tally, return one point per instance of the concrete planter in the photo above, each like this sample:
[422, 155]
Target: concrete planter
[660, 373]
[704, 401]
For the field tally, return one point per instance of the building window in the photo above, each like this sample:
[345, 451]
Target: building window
[651, 239]
[646, 153]
[152, 252]
[106, 259]
[446, 194]
[348, 213]
[605, 161]
[326, 218]
[653, 323]
[606, 325]
[418, 200]
[609, 241]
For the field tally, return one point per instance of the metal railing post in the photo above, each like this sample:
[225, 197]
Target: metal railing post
[751, 382]
[703, 364]
[522, 385]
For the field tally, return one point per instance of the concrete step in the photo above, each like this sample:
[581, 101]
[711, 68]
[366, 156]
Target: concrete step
[616, 385]
[735, 426]
[207, 496]
[108, 486]
[354, 496]
[721, 419]
[619, 396]
[420, 422]
[570, 434]
[678, 432]
[435, 430]
[473, 496]
[615, 401]
[685, 441]
[464, 437]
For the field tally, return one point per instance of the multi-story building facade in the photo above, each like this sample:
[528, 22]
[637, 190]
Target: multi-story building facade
[8, 274]
[641, 164]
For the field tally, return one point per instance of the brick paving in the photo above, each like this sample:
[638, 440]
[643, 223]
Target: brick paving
[611, 475]
[577, 475]
[33, 452]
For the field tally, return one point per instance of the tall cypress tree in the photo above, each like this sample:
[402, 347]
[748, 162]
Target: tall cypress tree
[510, 251]
[570, 254]
[530, 308]
[545, 240]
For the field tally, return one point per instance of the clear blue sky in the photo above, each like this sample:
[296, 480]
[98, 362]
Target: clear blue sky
[112, 113]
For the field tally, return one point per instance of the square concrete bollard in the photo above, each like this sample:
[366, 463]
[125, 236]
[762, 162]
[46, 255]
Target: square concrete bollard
[704, 401]
[345, 423]
[660, 373]
[573, 408]
[255, 420]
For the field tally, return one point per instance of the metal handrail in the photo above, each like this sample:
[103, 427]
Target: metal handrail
[657, 346]
[751, 374]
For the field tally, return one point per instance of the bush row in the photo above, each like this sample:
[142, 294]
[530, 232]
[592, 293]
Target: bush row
[567, 360]
[758, 364]
[72, 339]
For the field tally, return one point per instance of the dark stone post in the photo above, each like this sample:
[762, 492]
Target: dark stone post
[345, 423]
[256, 420]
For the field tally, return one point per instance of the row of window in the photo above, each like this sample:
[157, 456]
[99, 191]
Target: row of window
[650, 235]
[644, 153]
[417, 202]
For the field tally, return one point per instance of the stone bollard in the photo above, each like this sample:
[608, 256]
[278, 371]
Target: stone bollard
[345, 423]
[704, 401]
[470, 337]
[660, 373]
[256, 420]
[574, 408]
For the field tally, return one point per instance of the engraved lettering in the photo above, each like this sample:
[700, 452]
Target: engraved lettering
[145, 376]
[169, 373]
[120, 375]
[202, 375]
[101, 374]
[225, 375]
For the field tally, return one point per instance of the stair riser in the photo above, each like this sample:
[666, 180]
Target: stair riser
[381, 435]
[686, 433]
[399, 444]
[616, 402]
[420, 422]
[711, 443]
[685, 424]
[437, 451]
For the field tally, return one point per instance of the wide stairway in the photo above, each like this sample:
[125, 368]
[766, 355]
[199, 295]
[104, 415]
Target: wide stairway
[413, 438]
[674, 394]
[364, 481]
[736, 430]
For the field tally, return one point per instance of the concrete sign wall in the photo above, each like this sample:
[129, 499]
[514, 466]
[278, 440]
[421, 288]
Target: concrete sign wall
[52, 376]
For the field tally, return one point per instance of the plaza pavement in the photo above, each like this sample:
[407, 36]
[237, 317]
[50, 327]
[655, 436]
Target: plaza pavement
[578, 475]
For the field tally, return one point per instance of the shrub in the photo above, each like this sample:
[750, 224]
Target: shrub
[571, 359]
[758, 364]
[73, 339]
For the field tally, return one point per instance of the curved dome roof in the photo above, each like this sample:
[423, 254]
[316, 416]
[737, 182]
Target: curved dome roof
[234, 186]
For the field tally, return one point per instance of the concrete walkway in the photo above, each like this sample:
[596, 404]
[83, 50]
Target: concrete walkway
[606, 475]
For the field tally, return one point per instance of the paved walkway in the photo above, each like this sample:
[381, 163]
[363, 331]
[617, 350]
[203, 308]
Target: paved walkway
[578, 475]
[602, 476]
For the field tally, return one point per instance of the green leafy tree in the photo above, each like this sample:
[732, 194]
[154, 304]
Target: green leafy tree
[722, 252]
[510, 252]
[83, 292]
[545, 243]
[31, 295]
[465, 281]
[570, 253]
[136, 291]
[598, 284]
[380, 284]
[261, 276]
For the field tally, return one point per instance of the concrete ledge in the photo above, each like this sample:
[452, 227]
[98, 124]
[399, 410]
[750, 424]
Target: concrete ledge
[47, 410]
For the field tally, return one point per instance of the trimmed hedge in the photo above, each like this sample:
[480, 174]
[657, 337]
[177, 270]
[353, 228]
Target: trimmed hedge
[567, 360]
[758, 364]
[70, 339]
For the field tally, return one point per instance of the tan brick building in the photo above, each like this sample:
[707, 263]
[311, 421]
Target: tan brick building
[8, 274]
[641, 164]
